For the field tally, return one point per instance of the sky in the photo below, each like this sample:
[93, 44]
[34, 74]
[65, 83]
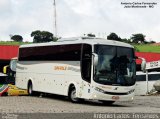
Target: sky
[78, 17]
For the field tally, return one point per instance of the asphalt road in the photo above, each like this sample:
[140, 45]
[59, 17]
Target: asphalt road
[60, 104]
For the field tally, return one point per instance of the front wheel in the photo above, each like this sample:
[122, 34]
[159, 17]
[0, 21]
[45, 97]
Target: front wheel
[72, 95]
[30, 89]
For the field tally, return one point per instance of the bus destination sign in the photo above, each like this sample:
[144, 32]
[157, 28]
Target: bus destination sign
[153, 65]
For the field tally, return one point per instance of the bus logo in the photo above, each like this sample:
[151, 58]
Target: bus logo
[116, 88]
[60, 68]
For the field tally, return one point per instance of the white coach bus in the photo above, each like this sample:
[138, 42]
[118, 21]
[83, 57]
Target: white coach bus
[80, 68]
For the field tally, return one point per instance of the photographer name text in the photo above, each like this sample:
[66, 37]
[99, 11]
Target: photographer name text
[139, 4]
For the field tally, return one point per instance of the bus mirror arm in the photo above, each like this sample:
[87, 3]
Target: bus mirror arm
[136, 57]
[5, 69]
[95, 59]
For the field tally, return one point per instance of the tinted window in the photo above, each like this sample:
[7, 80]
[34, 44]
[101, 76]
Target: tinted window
[86, 62]
[51, 53]
[151, 77]
[116, 65]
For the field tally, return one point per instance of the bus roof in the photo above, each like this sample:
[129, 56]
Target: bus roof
[77, 40]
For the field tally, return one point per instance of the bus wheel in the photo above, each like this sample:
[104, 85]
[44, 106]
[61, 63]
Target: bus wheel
[30, 89]
[107, 102]
[72, 95]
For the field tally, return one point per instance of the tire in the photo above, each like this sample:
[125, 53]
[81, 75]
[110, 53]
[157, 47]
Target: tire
[107, 102]
[4, 94]
[30, 89]
[72, 95]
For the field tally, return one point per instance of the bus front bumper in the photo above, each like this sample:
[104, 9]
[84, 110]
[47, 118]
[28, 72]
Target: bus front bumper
[108, 97]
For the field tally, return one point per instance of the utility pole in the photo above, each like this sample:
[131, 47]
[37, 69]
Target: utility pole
[55, 18]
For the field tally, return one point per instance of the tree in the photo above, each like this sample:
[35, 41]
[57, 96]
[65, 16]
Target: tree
[138, 38]
[17, 38]
[126, 40]
[42, 36]
[152, 42]
[91, 35]
[113, 36]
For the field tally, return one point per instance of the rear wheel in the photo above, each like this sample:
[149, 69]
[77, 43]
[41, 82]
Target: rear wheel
[72, 95]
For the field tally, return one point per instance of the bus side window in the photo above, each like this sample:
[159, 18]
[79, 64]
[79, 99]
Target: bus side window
[86, 62]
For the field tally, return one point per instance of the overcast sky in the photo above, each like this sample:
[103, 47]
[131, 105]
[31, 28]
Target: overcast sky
[76, 17]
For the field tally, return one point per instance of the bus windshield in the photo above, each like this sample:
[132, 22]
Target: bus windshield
[116, 65]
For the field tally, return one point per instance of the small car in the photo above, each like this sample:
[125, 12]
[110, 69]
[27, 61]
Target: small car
[14, 91]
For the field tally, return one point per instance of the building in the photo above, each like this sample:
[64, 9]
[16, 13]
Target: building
[148, 56]
[9, 51]
[6, 53]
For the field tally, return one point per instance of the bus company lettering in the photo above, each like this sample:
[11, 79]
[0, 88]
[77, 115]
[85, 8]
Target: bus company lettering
[60, 68]
[73, 69]
[66, 68]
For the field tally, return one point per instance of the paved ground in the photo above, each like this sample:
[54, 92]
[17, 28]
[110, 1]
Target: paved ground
[59, 104]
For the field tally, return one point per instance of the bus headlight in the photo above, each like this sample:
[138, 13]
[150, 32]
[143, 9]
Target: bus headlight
[99, 90]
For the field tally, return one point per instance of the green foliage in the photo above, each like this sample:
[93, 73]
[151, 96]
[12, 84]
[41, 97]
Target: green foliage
[42, 36]
[17, 38]
[152, 42]
[113, 36]
[1, 85]
[126, 40]
[147, 48]
[138, 38]
[13, 43]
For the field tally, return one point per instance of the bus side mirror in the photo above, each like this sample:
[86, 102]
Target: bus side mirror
[136, 57]
[95, 59]
[13, 64]
[143, 64]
